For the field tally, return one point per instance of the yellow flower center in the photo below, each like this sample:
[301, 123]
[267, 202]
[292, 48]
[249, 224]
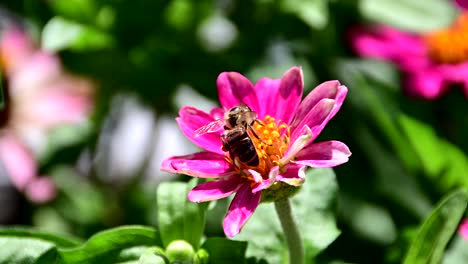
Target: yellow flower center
[271, 145]
[449, 45]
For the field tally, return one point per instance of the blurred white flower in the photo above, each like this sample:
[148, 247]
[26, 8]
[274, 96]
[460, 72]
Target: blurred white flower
[217, 33]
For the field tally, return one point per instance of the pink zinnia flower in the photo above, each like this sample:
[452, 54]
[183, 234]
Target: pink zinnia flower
[432, 62]
[40, 96]
[285, 147]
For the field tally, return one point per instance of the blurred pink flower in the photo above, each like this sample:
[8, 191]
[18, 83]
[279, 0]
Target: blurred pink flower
[462, 3]
[463, 229]
[432, 62]
[285, 148]
[40, 95]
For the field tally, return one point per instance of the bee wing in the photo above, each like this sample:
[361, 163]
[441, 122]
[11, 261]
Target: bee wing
[209, 128]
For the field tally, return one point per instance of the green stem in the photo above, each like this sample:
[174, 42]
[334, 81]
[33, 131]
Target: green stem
[293, 238]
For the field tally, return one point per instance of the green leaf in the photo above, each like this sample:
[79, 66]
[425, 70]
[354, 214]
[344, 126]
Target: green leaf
[457, 166]
[59, 34]
[425, 142]
[222, 250]
[59, 240]
[312, 12]
[84, 10]
[448, 169]
[393, 181]
[22, 250]
[104, 246]
[313, 208]
[178, 218]
[413, 15]
[81, 201]
[436, 231]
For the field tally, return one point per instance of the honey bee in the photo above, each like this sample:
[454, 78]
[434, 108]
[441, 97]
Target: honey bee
[237, 124]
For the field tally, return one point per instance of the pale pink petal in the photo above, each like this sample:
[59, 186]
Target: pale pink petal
[261, 185]
[191, 119]
[15, 48]
[325, 154]
[214, 190]
[277, 95]
[463, 229]
[234, 88]
[300, 142]
[242, 207]
[37, 73]
[315, 119]
[41, 190]
[324, 90]
[56, 106]
[292, 174]
[17, 160]
[201, 164]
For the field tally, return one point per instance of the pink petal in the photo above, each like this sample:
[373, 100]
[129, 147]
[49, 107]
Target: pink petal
[201, 164]
[325, 154]
[463, 229]
[320, 114]
[190, 119]
[388, 43]
[15, 47]
[18, 161]
[260, 183]
[40, 71]
[300, 142]
[234, 88]
[217, 113]
[214, 190]
[456, 73]
[462, 3]
[315, 119]
[242, 207]
[277, 95]
[41, 190]
[267, 90]
[427, 84]
[324, 90]
[292, 174]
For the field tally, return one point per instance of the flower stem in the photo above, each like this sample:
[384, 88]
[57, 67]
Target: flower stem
[293, 238]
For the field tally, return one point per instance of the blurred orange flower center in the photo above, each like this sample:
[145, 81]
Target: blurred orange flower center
[450, 45]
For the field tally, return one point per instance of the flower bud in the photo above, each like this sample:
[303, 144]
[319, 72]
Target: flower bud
[180, 250]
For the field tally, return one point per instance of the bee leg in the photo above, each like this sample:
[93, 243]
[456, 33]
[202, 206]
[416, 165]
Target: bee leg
[256, 136]
[259, 122]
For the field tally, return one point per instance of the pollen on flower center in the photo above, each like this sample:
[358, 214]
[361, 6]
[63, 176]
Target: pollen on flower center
[272, 143]
[449, 45]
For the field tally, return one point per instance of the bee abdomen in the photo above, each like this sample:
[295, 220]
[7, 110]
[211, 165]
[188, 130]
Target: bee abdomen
[245, 151]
